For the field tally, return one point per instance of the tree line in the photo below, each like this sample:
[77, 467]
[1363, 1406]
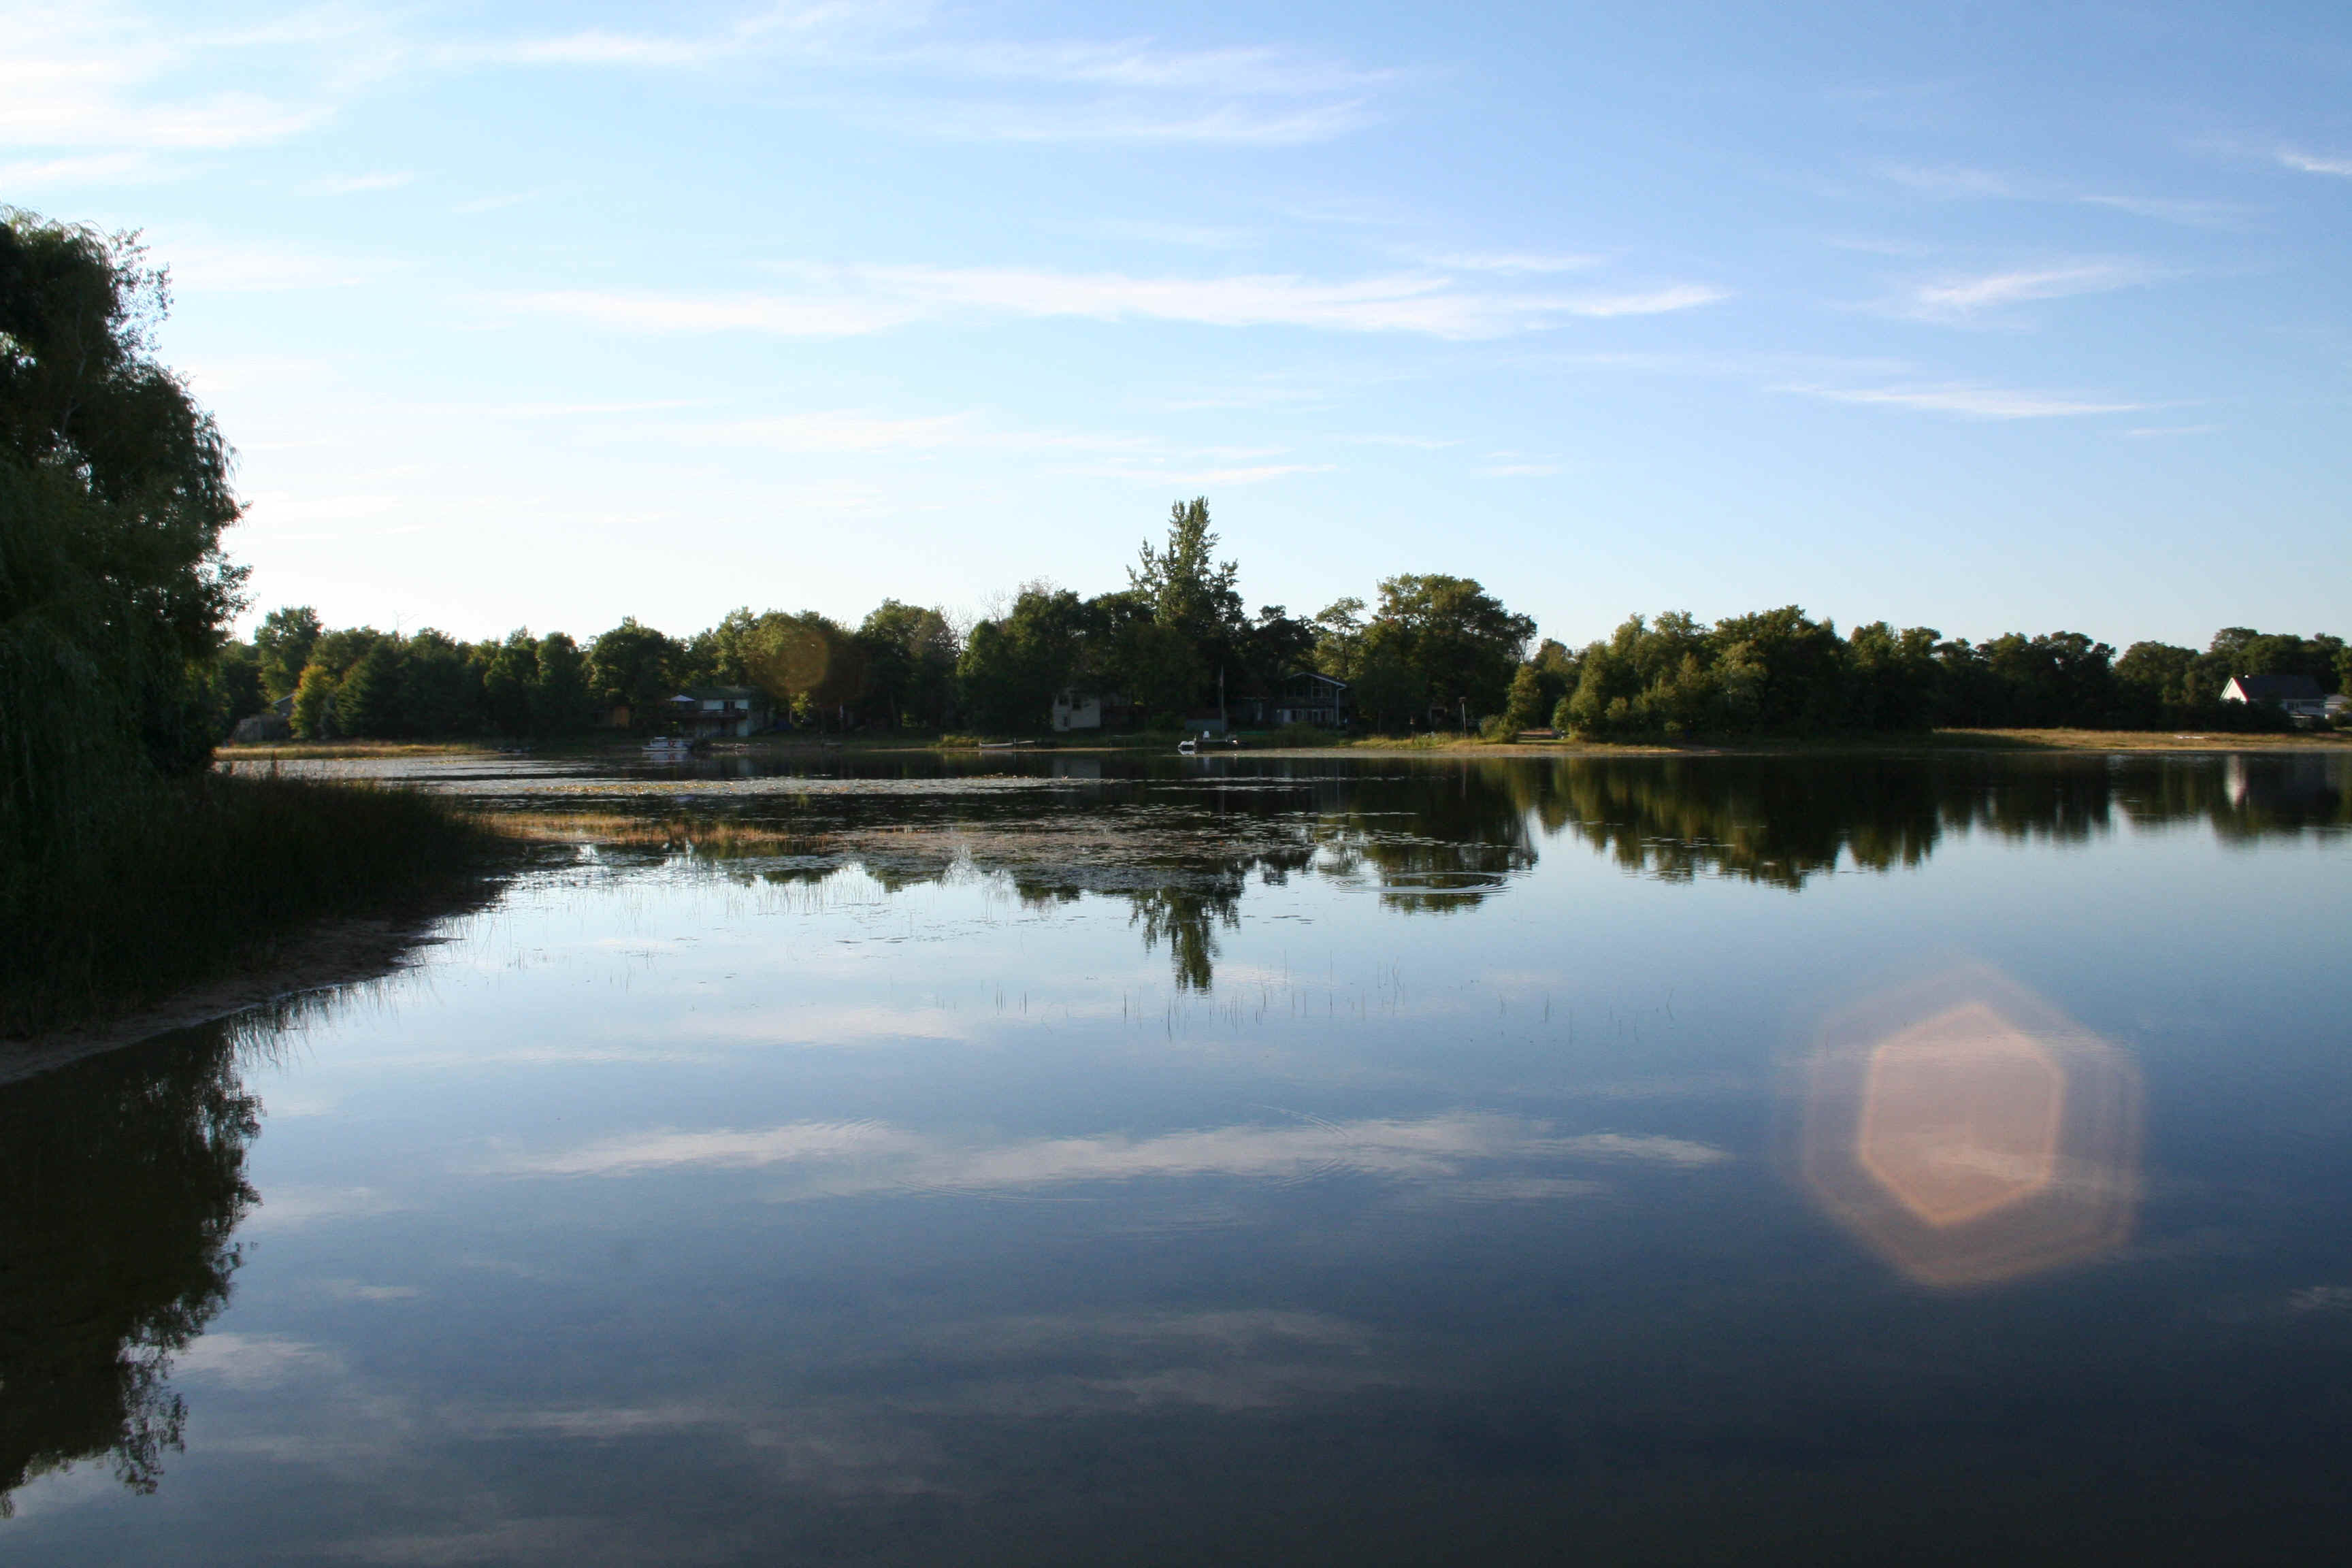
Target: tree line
[1177, 640]
[1781, 673]
[1432, 652]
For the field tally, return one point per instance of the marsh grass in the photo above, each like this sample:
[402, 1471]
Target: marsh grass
[165, 885]
[704, 835]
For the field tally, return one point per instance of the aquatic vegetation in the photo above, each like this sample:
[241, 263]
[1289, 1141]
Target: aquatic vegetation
[173, 882]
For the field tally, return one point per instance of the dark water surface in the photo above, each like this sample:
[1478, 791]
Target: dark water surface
[1245, 1161]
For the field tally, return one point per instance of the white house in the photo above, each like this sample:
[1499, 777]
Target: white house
[1078, 710]
[2298, 695]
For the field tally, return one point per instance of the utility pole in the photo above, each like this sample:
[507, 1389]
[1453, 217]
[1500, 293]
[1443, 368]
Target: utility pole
[1465, 715]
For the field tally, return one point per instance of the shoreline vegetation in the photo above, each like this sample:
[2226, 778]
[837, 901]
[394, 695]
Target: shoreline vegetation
[225, 880]
[1335, 744]
[1436, 659]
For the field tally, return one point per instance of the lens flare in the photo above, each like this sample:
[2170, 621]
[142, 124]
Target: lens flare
[1970, 1133]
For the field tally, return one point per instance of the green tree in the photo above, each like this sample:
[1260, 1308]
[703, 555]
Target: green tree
[442, 694]
[342, 648]
[1388, 694]
[1458, 641]
[1013, 668]
[1524, 709]
[558, 698]
[807, 662]
[1276, 643]
[2157, 683]
[236, 686]
[1891, 677]
[314, 704]
[1189, 592]
[369, 700]
[506, 684]
[910, 656]
[632, 666]
[284, 640]
[1339, 638]
[114, 491]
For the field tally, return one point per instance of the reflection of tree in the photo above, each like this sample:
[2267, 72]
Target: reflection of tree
[121, 1179]
[1188, 921]
[1437, 836]
[2245, 798]
[1762, 819]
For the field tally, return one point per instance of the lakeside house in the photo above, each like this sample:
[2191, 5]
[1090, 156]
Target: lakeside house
[1303, 698]
[716, 713]
[1310, 696]
[2297, 695]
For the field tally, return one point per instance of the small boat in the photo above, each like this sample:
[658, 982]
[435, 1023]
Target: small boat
[672, 746]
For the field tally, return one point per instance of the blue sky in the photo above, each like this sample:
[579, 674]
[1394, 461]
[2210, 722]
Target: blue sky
[1981, 317]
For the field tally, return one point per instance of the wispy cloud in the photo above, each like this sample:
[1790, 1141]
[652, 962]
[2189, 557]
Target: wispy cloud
[853, 300]
[1520, 471]
[2194, 213]
[1963, 298]
[1161, 477]
[1231, 124]
[1947, 180]
[865, 1156]
[353, 185]
[2158, 432]
[1973, 402]
[2340, 163]
[82, 168]
[1076, 90]
[1510, 261]
[841, 431]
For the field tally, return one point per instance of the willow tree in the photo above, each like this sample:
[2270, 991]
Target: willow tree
[114, 490]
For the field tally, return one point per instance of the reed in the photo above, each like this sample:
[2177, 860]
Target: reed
[159, 885]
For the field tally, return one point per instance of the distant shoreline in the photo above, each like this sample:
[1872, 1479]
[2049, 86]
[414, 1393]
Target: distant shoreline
[1935, 743]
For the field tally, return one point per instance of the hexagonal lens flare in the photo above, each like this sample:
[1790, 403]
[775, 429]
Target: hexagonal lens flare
[1970, 1133]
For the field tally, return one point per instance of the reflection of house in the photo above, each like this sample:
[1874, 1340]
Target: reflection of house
[708, 711]
[1307, 697]
[2298, 695]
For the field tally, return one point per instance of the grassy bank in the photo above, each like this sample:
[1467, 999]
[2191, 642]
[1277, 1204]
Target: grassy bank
[176, 883]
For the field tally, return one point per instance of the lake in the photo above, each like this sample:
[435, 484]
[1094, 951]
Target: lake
[1352, 1160]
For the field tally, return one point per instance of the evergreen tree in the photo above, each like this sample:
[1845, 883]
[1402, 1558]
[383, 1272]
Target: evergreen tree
[368, 700]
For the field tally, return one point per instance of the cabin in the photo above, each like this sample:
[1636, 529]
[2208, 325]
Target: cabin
[2297, 695]
[716, 713]
[1077, 710]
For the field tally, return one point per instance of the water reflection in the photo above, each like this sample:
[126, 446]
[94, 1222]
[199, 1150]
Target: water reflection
[122, 1179]
[1432, 837]
[1968, 1133]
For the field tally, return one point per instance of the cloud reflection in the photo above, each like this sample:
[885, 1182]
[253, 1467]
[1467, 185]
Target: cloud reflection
[840, 1158]
[1970, 1133]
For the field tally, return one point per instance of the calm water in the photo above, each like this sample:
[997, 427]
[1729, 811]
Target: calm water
[1250, 1160]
